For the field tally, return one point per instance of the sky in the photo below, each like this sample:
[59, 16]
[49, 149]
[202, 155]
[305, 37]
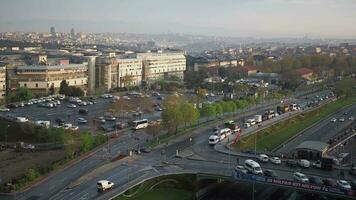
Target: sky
[236, 18]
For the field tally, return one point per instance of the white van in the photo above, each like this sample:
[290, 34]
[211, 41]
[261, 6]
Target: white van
[222, 133]
[213, 140]
[104, 185]
[251, 121]
[253, 167]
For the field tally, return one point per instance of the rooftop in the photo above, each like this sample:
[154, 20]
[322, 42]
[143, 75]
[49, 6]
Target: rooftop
[313, 145]
[50, 67]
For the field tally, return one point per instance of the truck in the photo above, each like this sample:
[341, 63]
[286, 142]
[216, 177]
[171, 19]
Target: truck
[282, 109]
[258, 118]
[21, 119]
[325, 163]
[103, 185]
[233, 126]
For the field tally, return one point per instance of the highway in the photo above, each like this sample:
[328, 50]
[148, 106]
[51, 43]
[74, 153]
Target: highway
[197, 156]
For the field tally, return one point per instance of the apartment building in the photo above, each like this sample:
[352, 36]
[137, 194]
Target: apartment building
[162, 65]
[115, 72]
[2, 82]
[40, 78]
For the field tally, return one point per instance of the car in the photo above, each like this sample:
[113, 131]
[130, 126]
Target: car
[329, 182]
[270, 173]
[341, 119]
[145, 150]
[82, 103]
[353, 185]
[110, 118]
[159, 109]
[11, 105]
[71, 106]
[315, 180]
[60, 121]
[126, 97]
[351, 118]
[353, 171]
[74, 128]
[342, 184]
[292, 163]
[333, 120]
[346, 113]
[275, 160]
[4, 109]
[241, 169]
[263, 158]
[297, 176]
[304, 163]
[103, 185]
[82, 120]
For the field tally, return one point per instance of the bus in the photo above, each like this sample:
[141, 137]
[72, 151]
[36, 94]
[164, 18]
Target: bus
[139, 124]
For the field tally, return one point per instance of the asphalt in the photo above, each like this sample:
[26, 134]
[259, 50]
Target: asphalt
[146, 166]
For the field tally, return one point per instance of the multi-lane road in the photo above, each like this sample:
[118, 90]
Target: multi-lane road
[198, 156]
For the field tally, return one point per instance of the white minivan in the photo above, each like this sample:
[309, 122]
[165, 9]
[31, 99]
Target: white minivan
[104, 185]
[214, 139]
[253, 167]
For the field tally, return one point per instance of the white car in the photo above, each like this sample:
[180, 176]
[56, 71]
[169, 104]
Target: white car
[341, 119]
[74, 128]
[300, 177]
[4, 109]
[82, 120]
[275, 160]
[104, 185]
[351, 118]
[263, 158]
[333, 120]
[304, 163]
[71, 106]
[343, 184]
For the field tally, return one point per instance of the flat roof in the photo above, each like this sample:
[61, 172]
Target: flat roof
[49, 67]
[312, 145]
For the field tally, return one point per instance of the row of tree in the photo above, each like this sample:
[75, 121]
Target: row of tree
[71, 91]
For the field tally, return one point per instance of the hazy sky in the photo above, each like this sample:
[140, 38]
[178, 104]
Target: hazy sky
[260, 18]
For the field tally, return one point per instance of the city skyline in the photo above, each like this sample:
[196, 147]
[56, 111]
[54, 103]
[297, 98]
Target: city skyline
[256, 18]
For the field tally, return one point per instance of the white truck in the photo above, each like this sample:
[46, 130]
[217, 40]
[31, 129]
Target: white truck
[43, 123]
[21, 119]
[258, 119]
[103, 185]
[219, 135]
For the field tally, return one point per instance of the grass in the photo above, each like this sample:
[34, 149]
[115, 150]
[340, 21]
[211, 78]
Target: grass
[271, 137]
[162, 194]
[162, 188]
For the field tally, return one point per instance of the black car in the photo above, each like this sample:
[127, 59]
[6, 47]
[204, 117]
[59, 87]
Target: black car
[315, 180]
[11, 105]
[270, 173]
[83, 111]
[145, 150]
[328, 182]
[292, 163]
[60, 121]
[353, 185]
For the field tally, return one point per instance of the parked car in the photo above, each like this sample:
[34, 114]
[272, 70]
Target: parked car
[333, 120]
[263, 158]
[270, 173]
[300, 177]
[353, 171]
[275, 160]
[82, 120]
[341, 119]
[71, 106]
[343, 184]
[4, 109]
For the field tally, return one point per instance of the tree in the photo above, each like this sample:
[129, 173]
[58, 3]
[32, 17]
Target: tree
[218, 109]
[172, 118]
[87, 142]
[21, 94]
[64, 88]
[51, 89]
[225, 107]
[241, 104]
[232, 106]
[76, 92]
[201, 94]
[189, 113]
[346, 87]
[208, 111]
[127, 80]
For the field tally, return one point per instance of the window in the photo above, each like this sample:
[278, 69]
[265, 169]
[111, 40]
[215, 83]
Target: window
[36, 85]
[25, 84]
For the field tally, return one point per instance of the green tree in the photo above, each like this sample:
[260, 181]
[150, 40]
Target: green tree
[172, 118]
[218, 109]
[226, 107]
[201, 95]
[31, 174]
[76, 91]
[64, 88]
[86, 142]
[207, 111]
[189, 113]
[346, 87]
[241, 104]
[21, 94]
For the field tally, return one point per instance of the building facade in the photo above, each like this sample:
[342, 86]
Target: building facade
[162, 65]
[2, 82]
[41, 78]
[114, 72]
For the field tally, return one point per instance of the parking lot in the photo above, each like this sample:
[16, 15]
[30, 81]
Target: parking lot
[69, 114]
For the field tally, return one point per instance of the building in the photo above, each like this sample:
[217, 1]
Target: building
[162, 65]
[247, 71]
[312, 150]
[41, 78]
[2, 81]
[305, 73]
[116, 72]
[53, 31]
[72, 33]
